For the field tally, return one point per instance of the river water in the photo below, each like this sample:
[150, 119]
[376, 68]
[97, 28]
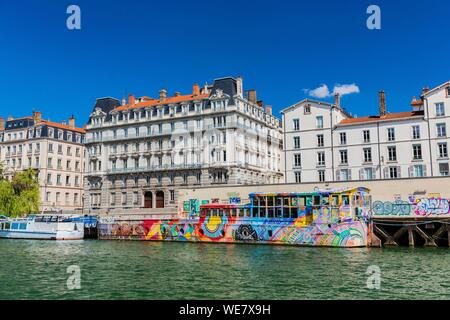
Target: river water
[170, 270]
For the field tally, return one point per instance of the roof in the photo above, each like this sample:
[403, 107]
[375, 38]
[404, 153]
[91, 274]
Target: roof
[389, 116]
[307, 100]
[155, 102]
[63, 126]
[445, 84]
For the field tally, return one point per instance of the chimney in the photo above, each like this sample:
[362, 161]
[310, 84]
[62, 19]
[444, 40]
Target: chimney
[269, 109]
[239, 86]
[37, 117]
[131, 100]
[72, 122]
[2, 124]
[162, 94]
[195, 90]
[382, 102]
[260, 103]
[177, 94]
[337, 100]
[425, 90]
[252, 96]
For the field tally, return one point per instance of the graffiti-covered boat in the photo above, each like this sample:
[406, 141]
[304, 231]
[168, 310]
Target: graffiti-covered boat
[334, 218]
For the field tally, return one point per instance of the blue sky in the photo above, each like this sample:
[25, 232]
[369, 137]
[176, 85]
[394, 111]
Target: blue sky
[279, 47]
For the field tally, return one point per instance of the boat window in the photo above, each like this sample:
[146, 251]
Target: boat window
[54, 219]
[285, 212]
[270, 202]
[325, 200]
[15, 226]
[308, 201]
[22, 226]
[203, 213]
[302, 201]
[279, 202]
[270, 212]
[255, 201]
[335, 200]
[38, 219]
[294, 213]
[240, 212]
[7, 225]
[286, 202]
[1, 225]
[345, 200]
[316, 200]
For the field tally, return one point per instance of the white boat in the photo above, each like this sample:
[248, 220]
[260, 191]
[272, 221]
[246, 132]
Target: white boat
[42, 227]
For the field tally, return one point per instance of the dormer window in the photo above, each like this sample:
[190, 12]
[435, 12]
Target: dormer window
[307, 109]
[448, 92]
[60, 134]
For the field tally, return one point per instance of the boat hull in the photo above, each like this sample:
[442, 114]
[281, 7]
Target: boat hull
[240, 230]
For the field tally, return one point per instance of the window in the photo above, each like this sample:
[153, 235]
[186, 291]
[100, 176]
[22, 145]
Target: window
[135, 198]
[442, 147]
[298, 177]
[392, 153]
[320, 142]
[297, 160]
[440, 110]
[367, 154]
[67, 198]
[58, 197]
[343, 156]
[368, 174]
[416, 132]
[391, 134]
[441, 131]
[47, 196]
[343, 138]
[443, 169]
[67, 180]
[296, 124]
[418, 171]
[296, 142]
[75, 198]
[321, 158]
[50, 147]
[319, 122]
[366, 136]
[58, 179]
[345, 174]
[321, 175]
[172, 195]
[393, 172]
[307, 110]
[124, 198]
[417, 152]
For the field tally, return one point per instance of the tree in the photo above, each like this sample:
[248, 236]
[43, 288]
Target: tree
[20, 195]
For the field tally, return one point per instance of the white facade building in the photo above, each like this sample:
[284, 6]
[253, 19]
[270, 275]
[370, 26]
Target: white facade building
[54, 150]
[323, 143]
[140, 151]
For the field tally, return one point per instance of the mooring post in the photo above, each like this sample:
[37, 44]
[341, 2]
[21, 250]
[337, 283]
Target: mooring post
[411, 236]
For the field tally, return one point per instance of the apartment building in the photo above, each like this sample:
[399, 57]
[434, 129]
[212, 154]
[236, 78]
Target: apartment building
[140, 151]
[54, 150]
[324, 143]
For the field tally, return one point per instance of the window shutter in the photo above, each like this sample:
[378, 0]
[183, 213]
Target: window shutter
[411, 171]
[399, 172]
[386, 173]
[361, 174]
[349, 174]
[424, 167]
[338, 175]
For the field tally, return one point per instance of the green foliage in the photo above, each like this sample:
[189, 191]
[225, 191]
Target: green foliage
[20, 195]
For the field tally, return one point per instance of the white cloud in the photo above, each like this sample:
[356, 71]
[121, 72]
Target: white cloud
[323, 92]
[320, 92]
[344, 89]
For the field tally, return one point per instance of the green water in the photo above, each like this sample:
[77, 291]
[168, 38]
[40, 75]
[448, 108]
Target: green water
[163, 270]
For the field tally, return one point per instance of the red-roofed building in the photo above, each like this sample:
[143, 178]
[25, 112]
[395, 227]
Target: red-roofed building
[324, 143]
[55, 150]
[141, 150]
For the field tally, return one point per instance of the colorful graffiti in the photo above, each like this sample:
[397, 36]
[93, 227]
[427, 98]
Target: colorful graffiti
[415, 206]
[297, 221]
[240, 230]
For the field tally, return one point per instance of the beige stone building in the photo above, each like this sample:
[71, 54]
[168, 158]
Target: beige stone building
[54, 150]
